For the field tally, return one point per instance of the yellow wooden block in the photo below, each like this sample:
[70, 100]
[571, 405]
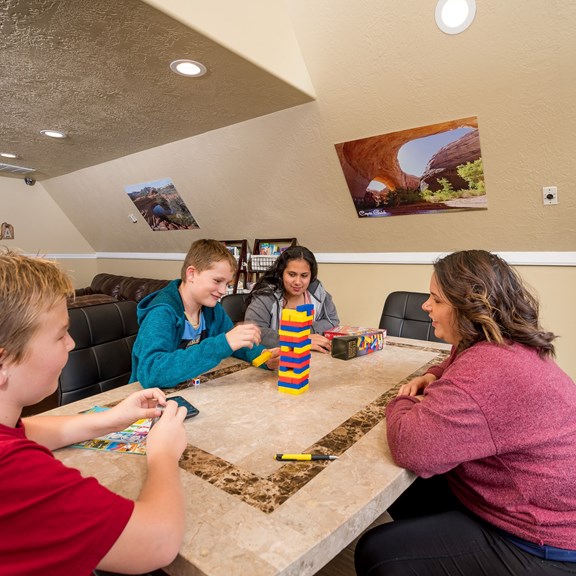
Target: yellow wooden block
[294, 334]
[299, 350]
[262, 359]
[293, 391]
[296, 349]
[295, 316]
[292, 374]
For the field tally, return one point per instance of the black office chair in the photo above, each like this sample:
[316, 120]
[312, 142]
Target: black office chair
[233, 304]
[403, 316]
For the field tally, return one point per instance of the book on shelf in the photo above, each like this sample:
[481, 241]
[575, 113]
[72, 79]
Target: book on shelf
[269, 249]
[234, 250]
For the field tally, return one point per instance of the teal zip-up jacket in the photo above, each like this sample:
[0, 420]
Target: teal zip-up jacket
[157, 360]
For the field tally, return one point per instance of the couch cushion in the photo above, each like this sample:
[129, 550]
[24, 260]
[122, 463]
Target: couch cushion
[89, 300]
[125, 287]
[102, 356]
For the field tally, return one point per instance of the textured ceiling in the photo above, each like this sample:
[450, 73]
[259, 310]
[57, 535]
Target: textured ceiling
[99, 71]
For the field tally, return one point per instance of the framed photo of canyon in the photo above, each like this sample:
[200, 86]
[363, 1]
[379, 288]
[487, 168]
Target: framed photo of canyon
[435, 168]
[161, 205]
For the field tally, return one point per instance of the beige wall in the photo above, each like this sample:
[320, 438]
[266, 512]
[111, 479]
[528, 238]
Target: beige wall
[164, 269]
[374, 70]
[40, 227]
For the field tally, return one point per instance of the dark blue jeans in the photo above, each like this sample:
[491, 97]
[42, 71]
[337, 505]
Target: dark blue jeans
[432, 535]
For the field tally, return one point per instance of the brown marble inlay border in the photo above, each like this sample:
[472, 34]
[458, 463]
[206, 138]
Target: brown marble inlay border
[211, 376]
[206, 377]
[267, 493]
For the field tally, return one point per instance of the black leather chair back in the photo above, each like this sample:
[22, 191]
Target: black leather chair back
[102, 358]
[403, 316]
[233, 304]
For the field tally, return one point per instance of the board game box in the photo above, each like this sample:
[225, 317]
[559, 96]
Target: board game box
[353, 345]
[350, 331]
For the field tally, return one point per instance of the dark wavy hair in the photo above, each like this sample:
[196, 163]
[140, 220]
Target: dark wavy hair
[491, 302]
[272, 278]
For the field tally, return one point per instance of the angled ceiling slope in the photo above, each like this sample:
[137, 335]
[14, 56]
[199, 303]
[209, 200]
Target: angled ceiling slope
[99, 71]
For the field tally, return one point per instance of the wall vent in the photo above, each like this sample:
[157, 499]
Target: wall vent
[15, 169]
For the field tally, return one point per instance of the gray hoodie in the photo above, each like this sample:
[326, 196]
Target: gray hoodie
[265, 311]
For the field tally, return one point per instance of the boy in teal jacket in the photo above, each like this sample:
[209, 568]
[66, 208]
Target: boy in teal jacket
[184, 331]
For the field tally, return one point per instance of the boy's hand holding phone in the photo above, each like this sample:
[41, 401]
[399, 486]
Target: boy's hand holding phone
[168, 435]
[190, 410]
[139, 405]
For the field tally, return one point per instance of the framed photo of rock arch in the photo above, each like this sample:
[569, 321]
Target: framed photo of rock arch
[435, 168]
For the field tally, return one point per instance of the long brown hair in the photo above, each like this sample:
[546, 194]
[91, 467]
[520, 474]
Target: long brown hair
[491, 302]
[273, 278]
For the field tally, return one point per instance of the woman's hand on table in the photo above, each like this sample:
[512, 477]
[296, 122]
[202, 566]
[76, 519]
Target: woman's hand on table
[168, 435]
[274, 361]
[321, 343]
[416, 385]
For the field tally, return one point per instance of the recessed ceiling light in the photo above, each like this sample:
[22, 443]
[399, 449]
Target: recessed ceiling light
[454, 16]
[188, 68]
[8, 155]
[53, 133]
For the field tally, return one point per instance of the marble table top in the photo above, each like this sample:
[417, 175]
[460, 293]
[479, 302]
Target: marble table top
[250, 515]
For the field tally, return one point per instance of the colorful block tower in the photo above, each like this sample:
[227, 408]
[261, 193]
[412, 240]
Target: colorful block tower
[295, 346]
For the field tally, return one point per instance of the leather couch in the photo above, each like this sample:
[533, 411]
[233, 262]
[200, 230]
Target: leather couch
[104, 335]
[102, 357]
[110, 287]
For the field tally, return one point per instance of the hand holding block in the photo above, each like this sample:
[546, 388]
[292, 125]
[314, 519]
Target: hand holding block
[262, 359]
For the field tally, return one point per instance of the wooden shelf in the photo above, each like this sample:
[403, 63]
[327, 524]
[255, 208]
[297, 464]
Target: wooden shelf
[265, 252]
[240, 252]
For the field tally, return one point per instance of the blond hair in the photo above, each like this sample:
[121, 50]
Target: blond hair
[28, 287]
[203, 254]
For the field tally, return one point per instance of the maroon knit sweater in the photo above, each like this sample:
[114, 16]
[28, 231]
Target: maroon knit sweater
[501, 422]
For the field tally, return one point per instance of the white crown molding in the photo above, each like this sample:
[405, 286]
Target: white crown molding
[514, 258]
[142, 255]
[62, 256]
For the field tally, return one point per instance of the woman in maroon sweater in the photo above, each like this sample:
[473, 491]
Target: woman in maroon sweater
[491, 433]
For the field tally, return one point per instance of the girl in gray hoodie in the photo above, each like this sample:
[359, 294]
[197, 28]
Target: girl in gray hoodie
[289, 282]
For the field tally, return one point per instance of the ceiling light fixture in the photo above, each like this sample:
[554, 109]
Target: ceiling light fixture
[454, 16]
[53, 133]
[8, 155]
[188, 68]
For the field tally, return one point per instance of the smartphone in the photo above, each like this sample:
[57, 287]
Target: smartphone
[190, 410]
